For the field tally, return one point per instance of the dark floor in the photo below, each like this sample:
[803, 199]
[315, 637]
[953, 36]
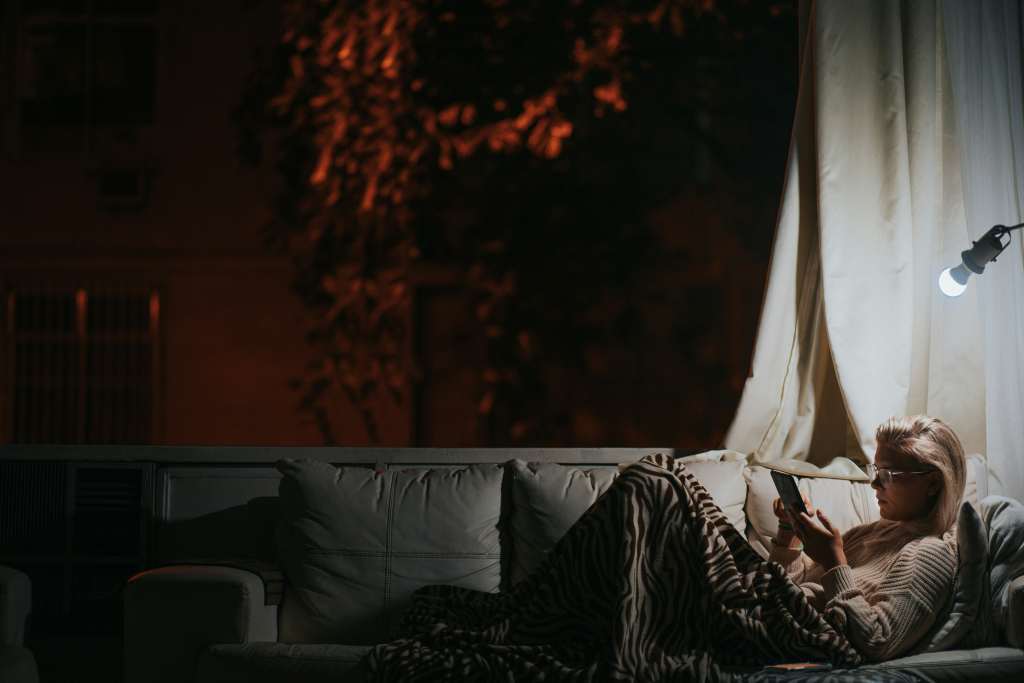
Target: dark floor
[77, 659]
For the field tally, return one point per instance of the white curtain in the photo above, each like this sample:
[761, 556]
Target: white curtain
[985, 54]
[902, 151]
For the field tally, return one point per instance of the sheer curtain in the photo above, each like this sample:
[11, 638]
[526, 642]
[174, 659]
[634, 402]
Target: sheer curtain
[985, 54]
[901, 152]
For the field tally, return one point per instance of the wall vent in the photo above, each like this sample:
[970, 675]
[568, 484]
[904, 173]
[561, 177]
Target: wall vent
[107, 511]
[32, 509]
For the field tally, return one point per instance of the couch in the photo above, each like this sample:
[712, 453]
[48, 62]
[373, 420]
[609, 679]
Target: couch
[338, 552]
[17, 665]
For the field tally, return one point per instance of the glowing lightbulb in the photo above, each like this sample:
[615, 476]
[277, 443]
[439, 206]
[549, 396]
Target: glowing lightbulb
[953, 281]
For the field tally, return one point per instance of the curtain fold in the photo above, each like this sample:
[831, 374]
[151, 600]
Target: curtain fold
[787, 389]
[879, 198]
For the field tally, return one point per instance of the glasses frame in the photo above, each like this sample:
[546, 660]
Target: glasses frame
[875, 473]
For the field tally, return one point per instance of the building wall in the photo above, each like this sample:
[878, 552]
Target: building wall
[231, 332]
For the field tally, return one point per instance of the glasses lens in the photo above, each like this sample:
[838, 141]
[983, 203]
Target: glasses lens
[884, 476]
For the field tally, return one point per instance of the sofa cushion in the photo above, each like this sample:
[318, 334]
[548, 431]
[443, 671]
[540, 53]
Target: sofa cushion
[17, 665]
[970, 588]
[548, 498]
[15, 605]
[355, 543]
[1004, 518]
[976, 484]
[1002, 664]
[278, 662]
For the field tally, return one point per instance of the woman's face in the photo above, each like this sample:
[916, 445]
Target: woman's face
[908, 496]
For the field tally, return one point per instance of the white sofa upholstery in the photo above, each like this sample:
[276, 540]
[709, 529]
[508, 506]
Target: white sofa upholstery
[355, 543]
[17, 665]
[172, 614]
[407, 526]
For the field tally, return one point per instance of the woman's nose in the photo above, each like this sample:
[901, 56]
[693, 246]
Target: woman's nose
[875, 484]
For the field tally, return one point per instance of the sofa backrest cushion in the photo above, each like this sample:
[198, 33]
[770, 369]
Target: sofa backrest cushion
[355, 543]
[1004, 520]
[969, 600]
[548, 498]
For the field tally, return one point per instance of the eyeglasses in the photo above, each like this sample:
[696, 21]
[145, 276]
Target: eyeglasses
[886, 476]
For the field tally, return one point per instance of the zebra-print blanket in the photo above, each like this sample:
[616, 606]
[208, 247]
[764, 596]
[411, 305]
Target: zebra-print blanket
[651, 584]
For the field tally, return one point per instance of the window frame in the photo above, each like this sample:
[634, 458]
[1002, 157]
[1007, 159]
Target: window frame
[81, 339]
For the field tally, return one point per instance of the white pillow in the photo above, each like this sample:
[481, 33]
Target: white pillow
[976, 486]
[723, 478]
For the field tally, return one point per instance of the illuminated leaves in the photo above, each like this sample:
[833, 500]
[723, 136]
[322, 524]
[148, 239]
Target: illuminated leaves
[611, 93]
[355, 77]
[368, 120]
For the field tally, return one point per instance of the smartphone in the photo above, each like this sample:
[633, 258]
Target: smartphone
[789, 492]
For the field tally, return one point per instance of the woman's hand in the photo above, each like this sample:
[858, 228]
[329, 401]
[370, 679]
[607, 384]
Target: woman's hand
[786, 536]
[822, 542]
[780, 509]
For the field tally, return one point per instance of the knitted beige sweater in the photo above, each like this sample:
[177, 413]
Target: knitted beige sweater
[890, 592]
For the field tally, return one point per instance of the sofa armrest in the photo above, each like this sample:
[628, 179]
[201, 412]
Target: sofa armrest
[1015, 612]
[15, 606]
[171, 614]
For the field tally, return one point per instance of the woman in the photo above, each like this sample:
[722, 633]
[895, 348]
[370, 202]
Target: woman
[882, 584]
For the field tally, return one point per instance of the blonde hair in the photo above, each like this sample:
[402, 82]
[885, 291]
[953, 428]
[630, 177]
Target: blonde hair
[931, 442]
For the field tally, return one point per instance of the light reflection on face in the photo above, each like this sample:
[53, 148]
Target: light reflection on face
[909, 496]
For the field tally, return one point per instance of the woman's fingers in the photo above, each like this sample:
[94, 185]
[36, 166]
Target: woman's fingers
[800, 522]
[806, 523]
[782, 512]
[825, 520]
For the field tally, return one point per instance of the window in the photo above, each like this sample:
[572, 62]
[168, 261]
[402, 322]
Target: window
[82, 365]
[82, 65]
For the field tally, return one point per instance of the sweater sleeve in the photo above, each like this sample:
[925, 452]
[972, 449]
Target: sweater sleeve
[896, 614]
[795, 562]
[801, 568]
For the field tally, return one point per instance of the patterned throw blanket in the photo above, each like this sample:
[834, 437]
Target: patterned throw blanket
[651, 584]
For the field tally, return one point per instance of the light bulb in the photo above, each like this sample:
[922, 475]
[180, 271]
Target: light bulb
[953, 281]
